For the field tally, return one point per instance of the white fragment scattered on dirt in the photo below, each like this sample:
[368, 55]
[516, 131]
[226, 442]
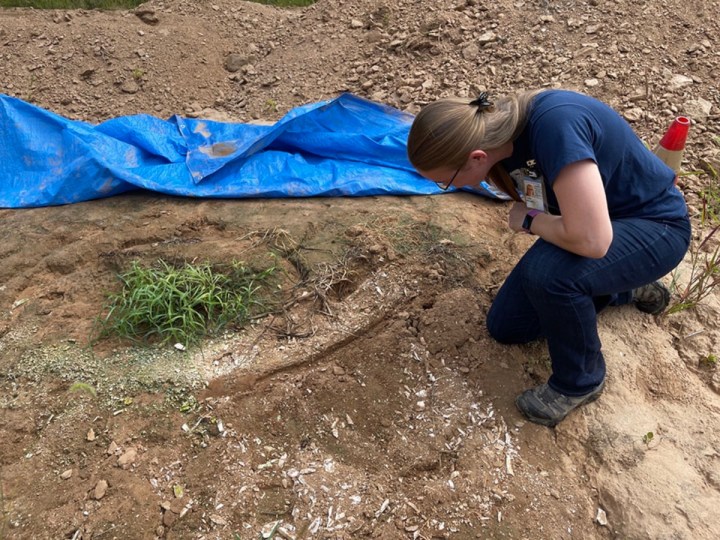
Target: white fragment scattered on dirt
[186, 508]
[179, 346]
[217, 520]
[383, 507]
[286, 532]
[66, 474]
[18, 303]
[601, 517]
[90, 435]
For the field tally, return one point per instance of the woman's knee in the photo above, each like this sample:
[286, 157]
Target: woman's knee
[506, 331]
[495, 326]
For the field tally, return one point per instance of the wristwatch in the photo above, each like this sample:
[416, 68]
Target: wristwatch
[527, 222]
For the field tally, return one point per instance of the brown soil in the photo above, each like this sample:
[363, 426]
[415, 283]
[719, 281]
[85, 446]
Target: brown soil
[374, 405]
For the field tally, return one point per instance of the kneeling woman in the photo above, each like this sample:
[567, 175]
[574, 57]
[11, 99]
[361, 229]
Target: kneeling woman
[605, 209]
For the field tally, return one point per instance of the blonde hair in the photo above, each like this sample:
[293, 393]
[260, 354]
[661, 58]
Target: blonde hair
[445, 132]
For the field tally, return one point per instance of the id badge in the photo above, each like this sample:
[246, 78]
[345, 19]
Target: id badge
[533, 194]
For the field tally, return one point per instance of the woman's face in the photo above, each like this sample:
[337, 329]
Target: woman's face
[470, 174]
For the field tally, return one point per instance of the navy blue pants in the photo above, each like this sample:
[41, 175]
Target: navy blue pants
[555, 294]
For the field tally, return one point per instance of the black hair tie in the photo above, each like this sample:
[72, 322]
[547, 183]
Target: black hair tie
[481, 102]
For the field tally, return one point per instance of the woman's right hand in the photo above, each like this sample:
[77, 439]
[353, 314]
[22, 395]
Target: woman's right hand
[517, 216]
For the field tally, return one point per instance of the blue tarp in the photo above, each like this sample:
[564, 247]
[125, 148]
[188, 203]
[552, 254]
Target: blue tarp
[346, 146]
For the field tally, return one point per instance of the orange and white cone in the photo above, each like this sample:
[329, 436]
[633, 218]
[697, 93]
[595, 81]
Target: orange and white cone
[671, 146]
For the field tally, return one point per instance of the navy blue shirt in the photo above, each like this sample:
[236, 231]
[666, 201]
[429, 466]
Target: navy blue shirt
[564, 127]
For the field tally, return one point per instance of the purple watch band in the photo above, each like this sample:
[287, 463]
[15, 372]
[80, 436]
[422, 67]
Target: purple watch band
[527, 222]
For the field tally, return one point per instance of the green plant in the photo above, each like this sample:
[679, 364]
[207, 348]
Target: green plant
[704, 274]
[710, 212]
[710, 361]
[165, 303]
[82, 387]
[648, 437]
[271, 105]
[704, 258]
[137, 74]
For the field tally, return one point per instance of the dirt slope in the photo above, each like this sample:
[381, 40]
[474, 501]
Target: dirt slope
[375, 405]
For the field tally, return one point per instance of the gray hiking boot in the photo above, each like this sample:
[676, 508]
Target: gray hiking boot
[545, 406]
[652, 298]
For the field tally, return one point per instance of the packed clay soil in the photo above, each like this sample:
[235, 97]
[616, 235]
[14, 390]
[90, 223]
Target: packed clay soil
[371, 402]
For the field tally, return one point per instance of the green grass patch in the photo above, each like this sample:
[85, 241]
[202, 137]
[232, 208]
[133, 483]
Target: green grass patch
[182, 304]
[72, 4]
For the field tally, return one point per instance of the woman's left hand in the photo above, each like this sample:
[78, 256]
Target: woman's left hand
[517, 216]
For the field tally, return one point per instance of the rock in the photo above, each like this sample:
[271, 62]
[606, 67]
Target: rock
[486, 37]
[698, 109]
[633, 114]
[235, 61]
[356, 24]
[128, 458]
[601, 517]
[679, 81]
[148, 16]
[471, 52]
[338, 370]
[590, 83]
[112, 448]
[100, 489]
[66, 474]
[130, 87]
[90, 435]
[169, 518]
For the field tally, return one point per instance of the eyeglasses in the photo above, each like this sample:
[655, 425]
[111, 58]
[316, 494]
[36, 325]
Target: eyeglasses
[446, 185]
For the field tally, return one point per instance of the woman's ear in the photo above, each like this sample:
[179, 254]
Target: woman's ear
[479, 155]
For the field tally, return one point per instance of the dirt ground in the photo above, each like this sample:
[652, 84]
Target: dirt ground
[374, 404]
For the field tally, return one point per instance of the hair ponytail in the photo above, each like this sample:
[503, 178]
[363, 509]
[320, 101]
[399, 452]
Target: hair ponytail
[445, 132]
